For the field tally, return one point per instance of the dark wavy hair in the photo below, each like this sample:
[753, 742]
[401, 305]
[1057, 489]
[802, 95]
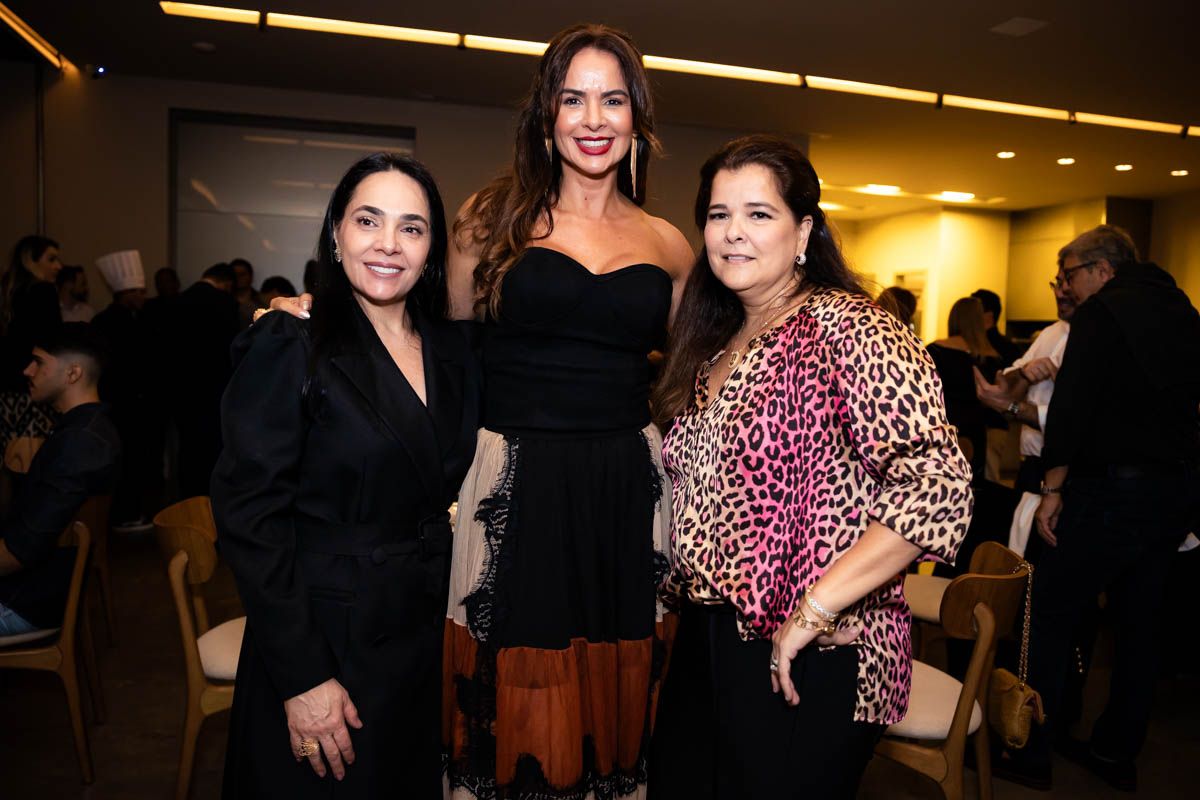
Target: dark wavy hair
[710, 313]
[333, 297]
[27, 251]
[503, 215]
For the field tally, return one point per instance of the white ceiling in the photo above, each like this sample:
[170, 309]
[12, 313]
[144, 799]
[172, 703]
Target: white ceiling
[1104, 56]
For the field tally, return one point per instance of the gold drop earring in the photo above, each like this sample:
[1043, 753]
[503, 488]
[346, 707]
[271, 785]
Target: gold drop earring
[549, 149]
[633, 167]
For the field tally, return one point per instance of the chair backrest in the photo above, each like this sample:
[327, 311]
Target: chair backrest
[76, 535]
[187, 624]
[94, 514]
[20, 452]
[188, 526]
[998, 578]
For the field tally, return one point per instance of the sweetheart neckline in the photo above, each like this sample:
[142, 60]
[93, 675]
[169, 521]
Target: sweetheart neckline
[609, 273]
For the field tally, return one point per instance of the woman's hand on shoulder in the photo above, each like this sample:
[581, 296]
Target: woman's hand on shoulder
[296, 306]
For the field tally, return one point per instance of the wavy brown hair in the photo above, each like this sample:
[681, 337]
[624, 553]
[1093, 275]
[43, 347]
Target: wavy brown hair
[710, 313]
[502, 217]
[966, 320]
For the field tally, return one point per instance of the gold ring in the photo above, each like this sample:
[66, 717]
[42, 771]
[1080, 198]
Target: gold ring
[308, 747]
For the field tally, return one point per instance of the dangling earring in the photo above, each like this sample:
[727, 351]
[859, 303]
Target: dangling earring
[633, 167]
[337, 253]
[801, 260]
[549, 149]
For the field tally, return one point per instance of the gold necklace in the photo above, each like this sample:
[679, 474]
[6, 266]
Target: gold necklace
[735, 356]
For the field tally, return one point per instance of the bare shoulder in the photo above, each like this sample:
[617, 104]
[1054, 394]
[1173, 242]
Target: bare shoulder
[678, 255]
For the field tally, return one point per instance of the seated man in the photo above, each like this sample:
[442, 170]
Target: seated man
[80, 458]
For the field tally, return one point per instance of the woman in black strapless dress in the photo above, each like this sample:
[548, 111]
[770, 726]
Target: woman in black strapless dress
[555, 641]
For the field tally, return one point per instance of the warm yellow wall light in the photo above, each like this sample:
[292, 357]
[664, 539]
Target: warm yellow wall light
[957, 197]
[349, 28]
[721, 70]
[218, 13]
[999, 107]
[31, 36]
[872, 89]
[518, 46]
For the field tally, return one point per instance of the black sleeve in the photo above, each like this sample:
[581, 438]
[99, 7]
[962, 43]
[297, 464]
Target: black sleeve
[1069, 420]
[58, 482]
[253, 492]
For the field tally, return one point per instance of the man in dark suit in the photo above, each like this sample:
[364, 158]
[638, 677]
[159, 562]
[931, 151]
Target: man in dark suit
[80, 458]
[204, 324]
[1009, 350]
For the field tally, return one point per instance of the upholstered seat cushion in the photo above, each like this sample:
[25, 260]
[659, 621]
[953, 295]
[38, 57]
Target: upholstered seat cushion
[931, 705]
[924, 596]
[32, 636]
[219, 649]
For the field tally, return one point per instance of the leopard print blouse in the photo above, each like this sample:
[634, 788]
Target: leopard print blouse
[834, 419]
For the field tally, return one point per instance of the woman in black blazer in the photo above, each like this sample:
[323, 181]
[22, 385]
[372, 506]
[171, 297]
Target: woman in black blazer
[346, 439]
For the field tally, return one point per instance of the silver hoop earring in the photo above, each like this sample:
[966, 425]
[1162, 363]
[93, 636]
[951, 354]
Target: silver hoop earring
[801, 260]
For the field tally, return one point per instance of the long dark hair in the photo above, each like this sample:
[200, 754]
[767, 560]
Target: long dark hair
[333, 301]
[27, 251]
[710, 313]
[503, 215]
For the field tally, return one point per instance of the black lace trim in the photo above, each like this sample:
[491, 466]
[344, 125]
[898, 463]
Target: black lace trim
[485, 610]
[530, 782]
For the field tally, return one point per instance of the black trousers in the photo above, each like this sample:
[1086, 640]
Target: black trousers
[1115, 535]
[721, 733]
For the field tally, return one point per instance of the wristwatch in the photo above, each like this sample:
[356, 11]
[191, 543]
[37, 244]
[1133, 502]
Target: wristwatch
[1046, 490]
[1012, 411]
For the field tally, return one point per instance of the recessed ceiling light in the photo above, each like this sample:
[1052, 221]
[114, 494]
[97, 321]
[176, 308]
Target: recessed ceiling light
[1179, 173]
[957, 197]
[1005, 154]
[1066, 161]
[881, 188]
[1123, 167]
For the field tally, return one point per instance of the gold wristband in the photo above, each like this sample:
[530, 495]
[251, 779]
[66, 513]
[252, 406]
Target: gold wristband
[803, 621]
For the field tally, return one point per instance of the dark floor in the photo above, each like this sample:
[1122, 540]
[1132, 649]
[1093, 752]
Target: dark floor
[135, 751]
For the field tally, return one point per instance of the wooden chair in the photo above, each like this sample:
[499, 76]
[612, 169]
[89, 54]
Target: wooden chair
[942, 712]
[54, 649]
[94, 513]
[20, 452]
[187, 535]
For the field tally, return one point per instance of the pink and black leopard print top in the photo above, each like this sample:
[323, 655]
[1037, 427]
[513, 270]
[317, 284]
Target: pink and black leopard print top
[835, 419]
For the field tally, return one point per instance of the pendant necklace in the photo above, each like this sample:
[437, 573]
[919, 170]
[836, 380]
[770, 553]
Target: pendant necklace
[735, 356]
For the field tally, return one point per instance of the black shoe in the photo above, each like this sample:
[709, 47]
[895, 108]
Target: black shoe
[1120, 775]
[1016, 769]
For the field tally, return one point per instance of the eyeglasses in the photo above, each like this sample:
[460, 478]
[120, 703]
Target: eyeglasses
[1068, 273]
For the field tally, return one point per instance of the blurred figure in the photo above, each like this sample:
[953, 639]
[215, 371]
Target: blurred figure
[78, 459]
[956, 358]
[29, 311]
[899, 302]
[166, 282]
[243, 291]
[72, 286]
[1008, 350]
[125, 384]
[276, 286]
[201, 331]
[310, 276]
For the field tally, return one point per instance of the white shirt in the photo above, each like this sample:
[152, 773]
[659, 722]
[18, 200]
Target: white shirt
[1050, 343]
[82, 312]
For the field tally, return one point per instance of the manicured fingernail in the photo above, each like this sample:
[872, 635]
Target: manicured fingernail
[304, 314]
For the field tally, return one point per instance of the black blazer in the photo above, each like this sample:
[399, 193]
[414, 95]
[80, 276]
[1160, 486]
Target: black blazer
[329, 496]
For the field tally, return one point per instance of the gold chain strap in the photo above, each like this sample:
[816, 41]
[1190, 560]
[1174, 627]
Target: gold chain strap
[1023, 669]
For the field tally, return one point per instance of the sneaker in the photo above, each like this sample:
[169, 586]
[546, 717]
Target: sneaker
[1121, 775]
[1015, 769]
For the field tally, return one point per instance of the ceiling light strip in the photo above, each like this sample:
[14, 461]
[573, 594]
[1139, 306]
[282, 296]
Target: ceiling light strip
[872, 89]
[1000, 107]
[322, 25]
[1125, 122]
[31, 36]
[721, 70]
[218, 13]
[494, 43]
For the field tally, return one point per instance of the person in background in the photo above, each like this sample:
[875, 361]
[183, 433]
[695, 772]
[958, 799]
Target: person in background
[1008, 350]
[157, 322]
[811, 461]
[125, 385]
[1122, 488]
[275, 286]
[900, 303]
[956, 358]
[243, 291]
[72, 286]
[78, 459]
[29, 311]
[204, 324]
[166, 282]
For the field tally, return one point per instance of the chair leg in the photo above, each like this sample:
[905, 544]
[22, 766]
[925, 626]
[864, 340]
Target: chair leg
[91, 665]
[983, 762]
[110, 618]
[70, 679]
[187, 754]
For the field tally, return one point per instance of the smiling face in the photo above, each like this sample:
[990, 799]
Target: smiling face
[384, 237]
[751, 237]
[593, 129]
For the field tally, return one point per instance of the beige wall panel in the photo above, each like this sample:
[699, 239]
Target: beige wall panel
[1175, 240]
[18, 201]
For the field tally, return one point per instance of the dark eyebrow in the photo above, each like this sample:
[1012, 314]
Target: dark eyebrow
[609, 93]
[377, 212]
[763, 205]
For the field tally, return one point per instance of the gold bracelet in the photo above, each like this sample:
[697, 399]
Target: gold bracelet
[801, 620]
[817, 608]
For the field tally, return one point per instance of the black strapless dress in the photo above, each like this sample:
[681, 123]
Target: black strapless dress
[555, 641]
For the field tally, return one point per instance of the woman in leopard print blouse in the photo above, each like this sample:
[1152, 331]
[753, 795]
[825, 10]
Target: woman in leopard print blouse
[812, 462]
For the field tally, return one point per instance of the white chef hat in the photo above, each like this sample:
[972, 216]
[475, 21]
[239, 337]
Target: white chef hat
[123, 270]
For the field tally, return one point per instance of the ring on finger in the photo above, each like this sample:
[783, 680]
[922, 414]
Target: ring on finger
[308, 747]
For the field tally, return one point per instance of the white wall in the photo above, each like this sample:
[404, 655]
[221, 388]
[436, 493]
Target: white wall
[1037, 236]
[1175, 240]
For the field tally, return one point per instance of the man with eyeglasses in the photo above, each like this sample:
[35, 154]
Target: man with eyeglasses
[1122, 488]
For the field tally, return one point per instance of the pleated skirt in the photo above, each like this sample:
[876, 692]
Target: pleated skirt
[555, 641]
